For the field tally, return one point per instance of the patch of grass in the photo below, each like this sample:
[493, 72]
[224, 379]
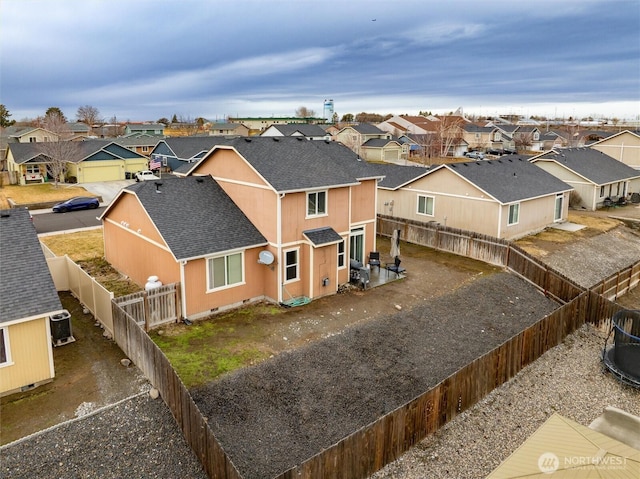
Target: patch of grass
[79, 246]
[205, 350]
[40, 193]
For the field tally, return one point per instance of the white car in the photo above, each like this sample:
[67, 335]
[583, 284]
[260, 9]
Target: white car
[146, 175]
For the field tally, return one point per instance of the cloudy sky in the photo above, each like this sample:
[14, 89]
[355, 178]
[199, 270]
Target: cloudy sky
[144, 60]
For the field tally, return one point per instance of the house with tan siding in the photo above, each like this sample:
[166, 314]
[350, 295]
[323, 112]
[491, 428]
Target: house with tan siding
[28, 297]
[623, 146]
[297, 211]
[594, 175]
[505, 198]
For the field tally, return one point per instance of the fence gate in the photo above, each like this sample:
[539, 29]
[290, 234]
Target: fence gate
[153, 308]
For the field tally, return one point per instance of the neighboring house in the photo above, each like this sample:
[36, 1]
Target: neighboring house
[355, 136]
[551, 140]
[21, 134]
[527, 137]
[259, 124]
[401, 124]
[387, 150]
[174, 153]
[77, 131]
[505, 198]
[482, 137]
[28, 297]
[228, 129]
[312, 204]
[141, 144]
[97, 160]
[623, 146]
[593, 174]
[155, 129]
[308, 131]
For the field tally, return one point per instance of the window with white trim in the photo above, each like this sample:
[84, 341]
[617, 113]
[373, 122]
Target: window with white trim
[33, 169]
[342, 254]
[5, 353]
[601, 191]
[225, 271]
[514, 213]
[425, 205]
[557, 216]
[317, 203]
[291, 260]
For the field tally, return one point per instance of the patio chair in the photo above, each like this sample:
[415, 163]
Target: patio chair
[374, 259]
[608, 203]
[395, 267]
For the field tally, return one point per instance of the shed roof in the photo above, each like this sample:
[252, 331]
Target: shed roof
[26, 286]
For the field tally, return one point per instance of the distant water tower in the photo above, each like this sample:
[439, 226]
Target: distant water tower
[328, 110]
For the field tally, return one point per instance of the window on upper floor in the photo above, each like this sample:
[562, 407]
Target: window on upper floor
[536, 136]
[291, 269]
[317, 203]
[425, 205]
[514, 214]
[225, 271]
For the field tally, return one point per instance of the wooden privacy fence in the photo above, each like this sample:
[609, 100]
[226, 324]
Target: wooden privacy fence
[619, 283]
[483, 248]
[154, 307]
[140, 348]
[375, 445]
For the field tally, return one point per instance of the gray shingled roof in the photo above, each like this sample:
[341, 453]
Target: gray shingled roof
[591, 164]
[303, 128]
[195, 216]
[509, 180]
[296, 164]
[473, 128]
[396, 176]
[187, 147]
[378, 142]
[368, 129]
[322, 236]
[26, 152]
[26, 285]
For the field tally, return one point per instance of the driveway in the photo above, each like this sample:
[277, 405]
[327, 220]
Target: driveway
[107, 189]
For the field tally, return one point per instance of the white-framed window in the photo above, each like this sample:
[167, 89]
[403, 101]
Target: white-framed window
[514, 213]
[225, 271]
[33, 169]
[425, 205]
[145, 148]
[342, 254]
[601, 191]
[317, 203]
[292, 265]
[536, 136]
[557, 216]
[32, 139]
[5, 351]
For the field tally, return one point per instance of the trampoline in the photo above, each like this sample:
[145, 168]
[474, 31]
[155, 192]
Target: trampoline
[623, 357]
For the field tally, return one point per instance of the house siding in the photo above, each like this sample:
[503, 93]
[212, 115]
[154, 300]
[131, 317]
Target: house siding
[31, 356]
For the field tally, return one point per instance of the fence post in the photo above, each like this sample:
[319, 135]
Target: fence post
[178, 303]
[146, 311]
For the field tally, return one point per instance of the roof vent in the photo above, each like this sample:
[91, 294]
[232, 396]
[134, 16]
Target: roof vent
[327, 141]
[275, 138]
[5, 214]
[199, 180]
[247, 139]
[300, 138]
[158, 185]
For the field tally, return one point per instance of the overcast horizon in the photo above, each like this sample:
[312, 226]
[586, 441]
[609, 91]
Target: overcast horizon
[145, 60]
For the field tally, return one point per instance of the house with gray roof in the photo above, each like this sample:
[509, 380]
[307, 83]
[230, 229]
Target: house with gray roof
[371, 143]
[174, 153]
[28, 298]
[89, 161]
[309, 131]
[594, 175]
[506, 198]
[282, 220]
[227, 129]
[156, 129]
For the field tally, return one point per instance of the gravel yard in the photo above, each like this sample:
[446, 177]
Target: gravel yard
[567, 379]
[137, 437]
[274, 415]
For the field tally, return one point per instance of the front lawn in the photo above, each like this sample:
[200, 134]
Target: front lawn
[40, 193]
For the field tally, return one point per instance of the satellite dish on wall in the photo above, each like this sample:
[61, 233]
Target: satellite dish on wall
[265, 257]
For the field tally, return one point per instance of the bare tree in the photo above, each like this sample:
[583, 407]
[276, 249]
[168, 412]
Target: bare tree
[88, 114]
[448, 134]
[304, 112]
[59, 152]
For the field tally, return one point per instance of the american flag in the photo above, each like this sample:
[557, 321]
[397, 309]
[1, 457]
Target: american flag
[155, 165]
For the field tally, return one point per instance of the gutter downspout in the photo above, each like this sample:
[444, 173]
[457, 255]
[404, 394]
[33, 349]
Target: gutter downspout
[183, 289]
[279, 244]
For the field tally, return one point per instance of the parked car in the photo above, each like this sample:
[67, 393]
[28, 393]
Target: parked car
[146, 175]
[495, 152]
[476, 155]
[77, 203]
[510, 152]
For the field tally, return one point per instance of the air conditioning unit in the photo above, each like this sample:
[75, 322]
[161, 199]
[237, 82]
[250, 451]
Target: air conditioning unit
[61, 328]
